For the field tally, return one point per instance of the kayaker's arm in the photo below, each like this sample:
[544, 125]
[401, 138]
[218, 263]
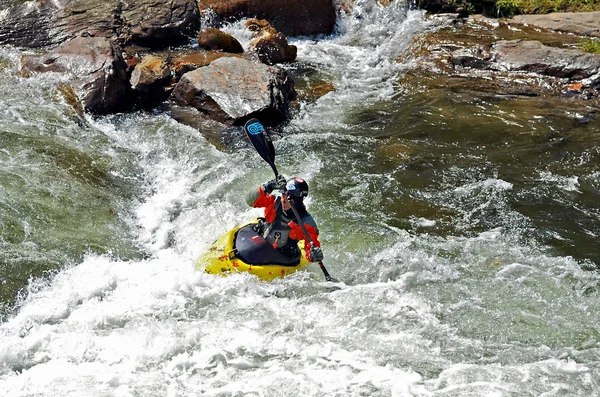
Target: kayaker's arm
[257, 198]
[297, 233]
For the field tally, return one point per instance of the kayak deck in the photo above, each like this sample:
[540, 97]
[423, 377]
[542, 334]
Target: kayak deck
[221, 259]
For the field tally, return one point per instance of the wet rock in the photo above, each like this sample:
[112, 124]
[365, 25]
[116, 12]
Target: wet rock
[32, 25]
[70, 97]
[268, 45]
[311, 94]
[533, 56]
[231, 90]
[156, 23]
[474, 56]
[291, 17]
[217, 40]
[192, 61]
[273, 48]
[260, 26]
[580, 23]
[96, 69]
[150, 81]
[149, 22]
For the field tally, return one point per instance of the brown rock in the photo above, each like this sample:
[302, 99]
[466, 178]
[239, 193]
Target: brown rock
[68, 94]
[292, 17]
[156, 24]
[260, 26]
[189, 62]
[217, 40]
[148, 72]
[273, 48]
[150, 81]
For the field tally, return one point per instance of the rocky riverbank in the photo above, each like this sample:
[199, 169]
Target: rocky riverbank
[532, 55]
[121, 57]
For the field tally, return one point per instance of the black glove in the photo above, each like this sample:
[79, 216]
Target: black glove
[273, 184]
[316, 254]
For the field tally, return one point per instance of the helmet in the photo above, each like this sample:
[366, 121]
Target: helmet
[296, 188]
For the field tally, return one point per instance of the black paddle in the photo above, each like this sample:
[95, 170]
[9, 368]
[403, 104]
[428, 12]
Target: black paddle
[263, 144]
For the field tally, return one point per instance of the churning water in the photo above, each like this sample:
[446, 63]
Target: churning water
[464, 229]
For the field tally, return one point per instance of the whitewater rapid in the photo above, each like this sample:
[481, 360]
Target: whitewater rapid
[487, 313]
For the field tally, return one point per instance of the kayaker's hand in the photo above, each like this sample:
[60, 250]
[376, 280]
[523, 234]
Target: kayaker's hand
[273, 184]
[269, 186]
[281, 182]
[316, 254]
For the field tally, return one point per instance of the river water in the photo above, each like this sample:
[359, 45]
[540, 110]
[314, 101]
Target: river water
[464, 229]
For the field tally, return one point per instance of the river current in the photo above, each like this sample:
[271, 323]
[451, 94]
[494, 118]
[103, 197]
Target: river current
[464, 229]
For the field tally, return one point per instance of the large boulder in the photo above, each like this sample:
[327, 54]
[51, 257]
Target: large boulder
[150, 23]
[156, 23]
[291, 17]
[32, 25]
[96, 69]
[231, 90]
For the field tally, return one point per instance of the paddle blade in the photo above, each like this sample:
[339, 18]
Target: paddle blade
[260, 140]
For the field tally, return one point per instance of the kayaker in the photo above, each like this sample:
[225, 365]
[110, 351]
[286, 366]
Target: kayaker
[280, 226]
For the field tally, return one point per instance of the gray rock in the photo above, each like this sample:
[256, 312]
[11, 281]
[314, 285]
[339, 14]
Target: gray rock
[97, 71]
[32, 25]
[581, 23]
[152, 23]
[231, 90]
[533, 56]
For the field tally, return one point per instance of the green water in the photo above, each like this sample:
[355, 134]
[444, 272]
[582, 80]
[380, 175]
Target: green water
[65, 191]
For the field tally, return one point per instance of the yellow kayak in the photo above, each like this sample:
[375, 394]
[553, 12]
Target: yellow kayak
[243, 250]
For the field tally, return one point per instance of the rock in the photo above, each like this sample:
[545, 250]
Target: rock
[311, 94]
[533, 56]
[273, 48]
[148, 72]
[474, 56]
[157, 24]
[291, 17]
[32, 25]
[148, 22]
[580, 23]
[97, 72]
[217, 40]
[270, 46]
[260, 26]
[188, 62]
[70, 97]
[150, 81]
[231, 90]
